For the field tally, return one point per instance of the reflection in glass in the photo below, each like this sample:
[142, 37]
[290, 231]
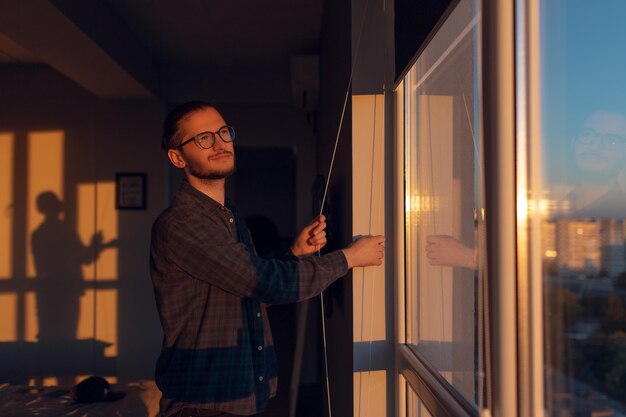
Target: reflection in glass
[583, 227]
[443, 202]
[415, 407]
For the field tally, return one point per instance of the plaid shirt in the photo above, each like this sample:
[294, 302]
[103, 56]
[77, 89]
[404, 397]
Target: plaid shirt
[211, 289]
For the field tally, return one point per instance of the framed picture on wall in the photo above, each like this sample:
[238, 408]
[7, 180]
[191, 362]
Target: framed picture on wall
[130, 190]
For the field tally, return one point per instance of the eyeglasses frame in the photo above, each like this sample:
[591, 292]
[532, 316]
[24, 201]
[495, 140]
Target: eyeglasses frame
[606, 139]
[213, 134]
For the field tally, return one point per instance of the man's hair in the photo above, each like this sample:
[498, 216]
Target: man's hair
[171, 125]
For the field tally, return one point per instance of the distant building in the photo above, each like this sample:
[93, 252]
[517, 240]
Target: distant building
[587, 247]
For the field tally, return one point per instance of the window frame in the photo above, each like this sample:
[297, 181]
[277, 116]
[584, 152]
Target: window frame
[497, 87]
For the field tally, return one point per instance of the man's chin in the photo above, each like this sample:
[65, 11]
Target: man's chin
[597, 173]
[214, 175]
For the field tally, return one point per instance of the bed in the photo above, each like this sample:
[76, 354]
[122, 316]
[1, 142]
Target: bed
[141, 400]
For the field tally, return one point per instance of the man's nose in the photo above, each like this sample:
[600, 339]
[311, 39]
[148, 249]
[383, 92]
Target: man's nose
[219, 143]
[596, 143]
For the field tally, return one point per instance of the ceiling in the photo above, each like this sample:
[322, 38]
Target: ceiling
[133, 49]
[226, 32]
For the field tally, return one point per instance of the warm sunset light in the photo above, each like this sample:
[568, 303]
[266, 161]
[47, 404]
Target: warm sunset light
[45, 173]
[106, 318]
[30, 309]
[551, 254]
[370, 390]
[6, 204]
[8, 310]
[97, 213]
[368, 285]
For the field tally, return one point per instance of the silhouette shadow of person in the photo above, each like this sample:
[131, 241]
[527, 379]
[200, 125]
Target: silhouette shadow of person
[58, 254]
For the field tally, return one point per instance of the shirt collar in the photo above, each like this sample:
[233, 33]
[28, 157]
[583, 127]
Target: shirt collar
[187, 193]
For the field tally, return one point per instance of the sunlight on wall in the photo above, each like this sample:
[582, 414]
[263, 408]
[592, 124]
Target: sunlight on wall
[7, 143]
[110, 379]
[45, 173]
[8, 309]
[103, 218]
[31, 323]
[51, 381]
[368, 284]
[106, 318]
[370, 394]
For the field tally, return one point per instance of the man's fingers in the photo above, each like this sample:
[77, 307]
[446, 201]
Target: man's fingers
[318, 243]
[316, 225]
[318, 228]
[317, 236]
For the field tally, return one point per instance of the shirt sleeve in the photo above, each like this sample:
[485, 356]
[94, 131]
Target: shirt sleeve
[196, 250]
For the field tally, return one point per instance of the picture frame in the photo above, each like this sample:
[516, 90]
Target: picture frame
[130, 190]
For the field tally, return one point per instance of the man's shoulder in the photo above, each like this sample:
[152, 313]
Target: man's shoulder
[183, 211]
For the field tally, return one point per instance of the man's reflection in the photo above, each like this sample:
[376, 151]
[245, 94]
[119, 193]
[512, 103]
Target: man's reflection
[599, 154]
[444, 250]
[58, 254]
[448, 251]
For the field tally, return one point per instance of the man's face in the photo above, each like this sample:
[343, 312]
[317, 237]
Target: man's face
[215, 163]
[600, 146]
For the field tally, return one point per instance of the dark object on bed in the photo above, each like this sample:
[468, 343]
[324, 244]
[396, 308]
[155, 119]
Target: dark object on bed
[95, 389]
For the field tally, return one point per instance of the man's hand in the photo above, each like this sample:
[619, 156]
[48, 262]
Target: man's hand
[365, 251]
[97, 239]
[447, 251]
[312, 238]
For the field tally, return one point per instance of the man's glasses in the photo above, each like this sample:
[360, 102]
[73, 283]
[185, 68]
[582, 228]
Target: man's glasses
[607, 139]
[206, 140]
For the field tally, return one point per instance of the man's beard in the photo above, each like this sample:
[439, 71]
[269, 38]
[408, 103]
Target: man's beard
[211, 174]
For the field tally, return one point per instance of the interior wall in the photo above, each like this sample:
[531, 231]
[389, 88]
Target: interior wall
[361, 356]
[372, 166]
[279, 127]
[68, 145]
[335, 63]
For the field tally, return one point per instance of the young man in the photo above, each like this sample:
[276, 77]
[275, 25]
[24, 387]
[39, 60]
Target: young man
[210, 287]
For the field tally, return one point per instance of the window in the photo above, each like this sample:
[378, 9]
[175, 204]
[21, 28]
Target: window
[444, 209]
[582, 206]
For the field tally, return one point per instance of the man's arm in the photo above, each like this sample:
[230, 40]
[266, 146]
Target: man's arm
[227, 264]
[366, 251]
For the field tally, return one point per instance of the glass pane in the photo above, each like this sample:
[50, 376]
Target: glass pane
[583, 144]
[443, 204]
[414, 406]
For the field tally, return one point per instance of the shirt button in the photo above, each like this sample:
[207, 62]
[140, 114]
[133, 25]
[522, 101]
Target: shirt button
[260, 347]
[258, 314]
[261, 379]
[231, 220]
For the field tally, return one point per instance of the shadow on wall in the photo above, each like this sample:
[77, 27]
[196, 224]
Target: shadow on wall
[58, 256]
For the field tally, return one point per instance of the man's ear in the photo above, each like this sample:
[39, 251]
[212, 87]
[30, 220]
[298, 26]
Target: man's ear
[176, 158]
